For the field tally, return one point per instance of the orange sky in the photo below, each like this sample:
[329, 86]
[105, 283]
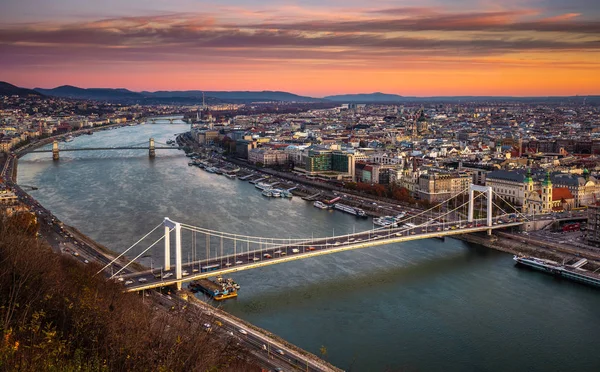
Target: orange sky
[424, 51]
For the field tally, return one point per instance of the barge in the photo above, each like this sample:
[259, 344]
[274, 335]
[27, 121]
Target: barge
[572, 272]
[218, 290]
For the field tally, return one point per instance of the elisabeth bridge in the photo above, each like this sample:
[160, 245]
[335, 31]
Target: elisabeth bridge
[212, 253]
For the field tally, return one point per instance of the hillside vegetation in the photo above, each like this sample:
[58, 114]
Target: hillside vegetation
[56, 315]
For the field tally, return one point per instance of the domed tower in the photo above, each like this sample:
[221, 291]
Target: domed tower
[547, 194]
[527, 188]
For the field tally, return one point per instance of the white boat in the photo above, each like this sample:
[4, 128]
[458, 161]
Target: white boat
[320, 205]
[69, 138]
[267, 193]
[262, 186]
[276, 193]
[351, 210]
[386, 221]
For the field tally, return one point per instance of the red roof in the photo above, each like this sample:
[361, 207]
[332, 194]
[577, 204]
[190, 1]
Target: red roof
[560, 193]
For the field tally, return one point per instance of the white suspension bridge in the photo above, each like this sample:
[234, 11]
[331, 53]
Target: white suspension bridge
[225, 252]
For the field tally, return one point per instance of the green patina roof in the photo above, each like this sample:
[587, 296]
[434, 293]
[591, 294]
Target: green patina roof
[528, 178]
[547, 181]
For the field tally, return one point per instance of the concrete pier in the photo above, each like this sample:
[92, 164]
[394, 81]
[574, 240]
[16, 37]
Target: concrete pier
[55, 154]
[151, 149]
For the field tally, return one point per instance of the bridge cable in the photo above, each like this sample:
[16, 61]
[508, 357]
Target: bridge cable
[139, 255]
[134, 244]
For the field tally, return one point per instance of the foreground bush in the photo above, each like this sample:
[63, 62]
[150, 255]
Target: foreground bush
[55, 315]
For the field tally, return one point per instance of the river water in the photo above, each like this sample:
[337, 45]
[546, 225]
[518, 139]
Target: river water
[419, 306]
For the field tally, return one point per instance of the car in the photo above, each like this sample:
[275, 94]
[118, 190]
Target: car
[228, 264]
[142, 280]
[266, 255]
[280, 352]
[167, 275]
[255, 258]
[238, 262]
[129, 282]
[337, 243]
[185, 273]
[243, 331]
[120, 279]
[86, 261]
[277, 251]
[295, 250]
[311, 248]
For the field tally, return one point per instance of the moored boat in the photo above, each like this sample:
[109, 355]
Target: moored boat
[319, 204]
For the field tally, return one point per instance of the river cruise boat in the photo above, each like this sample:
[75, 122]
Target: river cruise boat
[351, 210]
[573, 272]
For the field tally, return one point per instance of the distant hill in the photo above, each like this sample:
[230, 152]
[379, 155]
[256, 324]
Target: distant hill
[390, 98]
[188, 96]
[366, 97]
[264, 95]
[100, 94]
[7, 89]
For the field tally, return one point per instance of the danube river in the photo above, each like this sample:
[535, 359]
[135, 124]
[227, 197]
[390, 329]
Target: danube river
[420, 306]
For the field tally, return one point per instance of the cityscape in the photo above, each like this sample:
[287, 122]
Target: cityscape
[300, 187]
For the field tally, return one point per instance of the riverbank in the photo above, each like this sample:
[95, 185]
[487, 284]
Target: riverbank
[518, 246]
[274, 341]
[21, 151]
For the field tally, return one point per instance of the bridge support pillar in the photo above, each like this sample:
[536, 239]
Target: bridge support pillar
[177, 226]
[489, 196]
[471, 194]
[55, 154]
[178, 253]
[167, 247]
[490, 200]
[151, 149]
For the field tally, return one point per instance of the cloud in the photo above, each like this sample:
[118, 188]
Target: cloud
[380, 37]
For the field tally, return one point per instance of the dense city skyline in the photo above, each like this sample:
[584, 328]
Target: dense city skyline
[426, 48]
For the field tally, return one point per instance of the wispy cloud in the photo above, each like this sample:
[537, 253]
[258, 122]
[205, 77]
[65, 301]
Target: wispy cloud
[359, 39]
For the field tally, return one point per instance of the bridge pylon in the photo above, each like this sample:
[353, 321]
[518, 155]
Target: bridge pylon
[151, 148]
[55, 152]
[489, 196]
[169, 225]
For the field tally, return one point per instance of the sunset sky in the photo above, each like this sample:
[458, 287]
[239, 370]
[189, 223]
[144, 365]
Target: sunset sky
[412, 48]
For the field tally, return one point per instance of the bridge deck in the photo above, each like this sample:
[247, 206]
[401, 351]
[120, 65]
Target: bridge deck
[113, 148]
[245, 261]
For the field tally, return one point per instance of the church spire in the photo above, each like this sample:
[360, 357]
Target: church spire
[547, 181]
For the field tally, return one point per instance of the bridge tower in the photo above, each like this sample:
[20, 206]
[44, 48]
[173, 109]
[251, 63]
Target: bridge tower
[55, 155]
[169, 225]
[489, 197]
[151, 149]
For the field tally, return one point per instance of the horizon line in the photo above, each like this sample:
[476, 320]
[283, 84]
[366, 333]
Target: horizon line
[311, 96]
